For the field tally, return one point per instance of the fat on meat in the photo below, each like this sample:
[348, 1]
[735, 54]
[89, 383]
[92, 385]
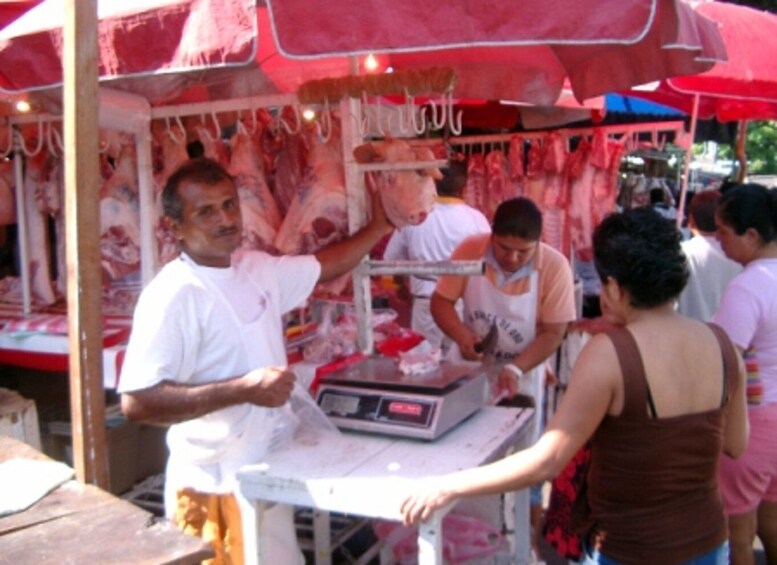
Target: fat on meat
[36, 180]
[261, 217]
[407, 196]
[120, 218]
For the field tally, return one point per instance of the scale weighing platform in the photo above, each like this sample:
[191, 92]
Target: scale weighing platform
[373, 395]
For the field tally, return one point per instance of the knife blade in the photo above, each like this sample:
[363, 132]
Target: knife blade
[487, 345]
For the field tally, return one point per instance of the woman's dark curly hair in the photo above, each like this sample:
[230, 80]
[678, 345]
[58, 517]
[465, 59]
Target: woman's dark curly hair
[641, 250]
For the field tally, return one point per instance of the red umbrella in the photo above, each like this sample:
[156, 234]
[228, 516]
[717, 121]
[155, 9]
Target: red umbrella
[499, 50]
[744, 87]
[506, 50]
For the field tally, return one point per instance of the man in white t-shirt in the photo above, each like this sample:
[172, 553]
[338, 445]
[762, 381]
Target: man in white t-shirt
[448, 224]
[710, 269]
[207, 357]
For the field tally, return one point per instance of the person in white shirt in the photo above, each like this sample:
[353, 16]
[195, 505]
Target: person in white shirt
[206, 355]
[448, 224]
[710, 269]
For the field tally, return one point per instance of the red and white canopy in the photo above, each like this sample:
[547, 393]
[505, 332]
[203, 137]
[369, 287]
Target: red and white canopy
[165, 49]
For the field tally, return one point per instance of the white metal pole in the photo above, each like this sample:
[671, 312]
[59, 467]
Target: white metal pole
[688, 157]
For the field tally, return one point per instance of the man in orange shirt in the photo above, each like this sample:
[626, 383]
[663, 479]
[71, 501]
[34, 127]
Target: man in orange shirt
[527, 290]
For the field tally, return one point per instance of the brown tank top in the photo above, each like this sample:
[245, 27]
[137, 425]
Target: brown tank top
[652, 483]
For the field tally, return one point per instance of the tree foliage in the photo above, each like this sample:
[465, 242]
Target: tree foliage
[760, 148]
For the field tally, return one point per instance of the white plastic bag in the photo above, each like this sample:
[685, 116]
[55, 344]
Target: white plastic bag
[300, 420]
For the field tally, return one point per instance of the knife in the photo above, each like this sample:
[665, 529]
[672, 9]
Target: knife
[487, 345]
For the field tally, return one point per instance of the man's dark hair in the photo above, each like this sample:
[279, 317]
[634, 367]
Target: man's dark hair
[199, 170]
[657, 195]
[641, 251]
[702, 210]
[518, 217]
[454, 179]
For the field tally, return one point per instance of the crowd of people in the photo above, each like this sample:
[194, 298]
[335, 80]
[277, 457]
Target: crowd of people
[663, 401]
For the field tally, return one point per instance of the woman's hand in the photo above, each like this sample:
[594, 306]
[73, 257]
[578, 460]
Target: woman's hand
[419, 506]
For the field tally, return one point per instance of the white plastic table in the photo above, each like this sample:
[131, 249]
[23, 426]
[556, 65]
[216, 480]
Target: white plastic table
[367, 475]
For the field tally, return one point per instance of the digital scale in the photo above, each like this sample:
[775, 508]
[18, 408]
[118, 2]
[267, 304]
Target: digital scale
[373, 395]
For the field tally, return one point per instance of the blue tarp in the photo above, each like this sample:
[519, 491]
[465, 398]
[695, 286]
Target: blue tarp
[631, 105]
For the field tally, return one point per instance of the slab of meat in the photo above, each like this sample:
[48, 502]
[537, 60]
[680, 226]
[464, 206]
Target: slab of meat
[407, 196]
[318, 213]
[173, 154]
[36, 179]
[120, 218]
[7, 197]
[498, 186]
[213, 147]
[475, 190]
[290, 166]
[261, 217]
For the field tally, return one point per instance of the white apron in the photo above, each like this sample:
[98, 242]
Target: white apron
[241, 434]
[516, 321]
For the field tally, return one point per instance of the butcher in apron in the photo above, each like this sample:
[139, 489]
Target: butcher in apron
[207, 357]
[527, 291]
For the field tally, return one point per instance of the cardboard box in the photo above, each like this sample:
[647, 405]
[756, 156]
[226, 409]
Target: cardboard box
[152, 451]
[121, 439]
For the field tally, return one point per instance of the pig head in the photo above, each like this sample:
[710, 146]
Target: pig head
[407, 196]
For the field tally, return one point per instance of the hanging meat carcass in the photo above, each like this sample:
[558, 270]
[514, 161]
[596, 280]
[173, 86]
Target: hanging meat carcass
[407, 196]
[119, 217]
[7, 200]
[172, 142]
[261, 217]
[212, 145]
[318, 212]
[36, 181]
[498, 185]
[290, 165]
[475, 189]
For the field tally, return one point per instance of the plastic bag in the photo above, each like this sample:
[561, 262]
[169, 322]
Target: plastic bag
[464, 538]
[300, 420]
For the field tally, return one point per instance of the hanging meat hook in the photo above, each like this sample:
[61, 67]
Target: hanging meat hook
[324, 124]
[23, 145]
[454, 125]
[254, 122]
[54, 140]
[175, 137]
[297, 120]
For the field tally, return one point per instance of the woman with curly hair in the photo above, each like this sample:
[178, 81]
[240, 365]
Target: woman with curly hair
[660, 398]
